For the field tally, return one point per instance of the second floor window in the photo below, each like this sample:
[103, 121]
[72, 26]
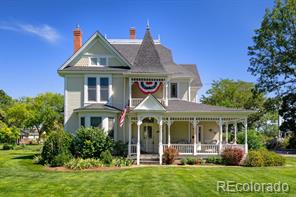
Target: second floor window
[174, 90]
[104, 89]
[92, 88]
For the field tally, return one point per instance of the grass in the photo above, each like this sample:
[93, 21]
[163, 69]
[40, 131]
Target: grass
[20, 177]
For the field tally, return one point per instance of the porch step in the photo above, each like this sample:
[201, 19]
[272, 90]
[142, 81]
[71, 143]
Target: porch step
[147, 159]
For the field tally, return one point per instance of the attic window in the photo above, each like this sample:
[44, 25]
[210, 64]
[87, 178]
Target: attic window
[98, 61]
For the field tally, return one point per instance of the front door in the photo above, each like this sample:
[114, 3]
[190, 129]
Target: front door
[148, 138]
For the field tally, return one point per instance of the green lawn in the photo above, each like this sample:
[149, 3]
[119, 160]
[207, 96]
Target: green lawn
[20, 177]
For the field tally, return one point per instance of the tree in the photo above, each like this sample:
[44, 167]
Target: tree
[8, 134]
[18, 115]
[235, 94]
[46, 112]
[5, 102]
[273, 56]
[288, 112]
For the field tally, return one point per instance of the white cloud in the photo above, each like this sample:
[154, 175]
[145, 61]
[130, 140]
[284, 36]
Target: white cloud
[43, 31]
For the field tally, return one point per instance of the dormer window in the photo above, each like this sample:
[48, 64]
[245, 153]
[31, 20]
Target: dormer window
[98, 61]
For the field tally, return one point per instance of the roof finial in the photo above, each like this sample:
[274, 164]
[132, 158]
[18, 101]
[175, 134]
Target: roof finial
[77, 26]
[147, 25]
[159, 37]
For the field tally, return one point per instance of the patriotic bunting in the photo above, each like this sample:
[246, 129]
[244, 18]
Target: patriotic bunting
[149, 87]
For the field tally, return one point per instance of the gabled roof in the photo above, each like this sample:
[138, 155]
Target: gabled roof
[88, 42]
[150, 103]
[147, 59]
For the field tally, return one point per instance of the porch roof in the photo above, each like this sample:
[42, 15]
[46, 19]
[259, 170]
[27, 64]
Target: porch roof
[98, 106]
[186, 106]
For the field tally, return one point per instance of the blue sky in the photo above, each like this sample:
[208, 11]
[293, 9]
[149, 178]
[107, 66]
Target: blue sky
[36, 36]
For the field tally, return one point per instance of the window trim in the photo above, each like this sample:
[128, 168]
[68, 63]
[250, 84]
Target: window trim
[98, 61]
[98, 99]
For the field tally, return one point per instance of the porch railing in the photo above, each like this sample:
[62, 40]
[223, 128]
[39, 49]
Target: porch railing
[242, 146]
[207, 148]
[133, 148]
[183, 149]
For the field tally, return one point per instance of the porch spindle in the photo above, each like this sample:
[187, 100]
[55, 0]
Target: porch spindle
[246, 135]
[160, 141]
[138, 142]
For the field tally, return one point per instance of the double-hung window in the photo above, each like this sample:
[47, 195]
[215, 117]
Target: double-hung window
[174, 90]
[92, 88]
[104, 89]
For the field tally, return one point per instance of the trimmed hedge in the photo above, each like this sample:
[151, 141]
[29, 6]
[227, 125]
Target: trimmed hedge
[264, 157]
[91, 142]
[232, 156]
[170, 155]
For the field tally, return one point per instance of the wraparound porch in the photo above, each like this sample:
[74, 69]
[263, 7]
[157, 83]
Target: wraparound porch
[153, 134]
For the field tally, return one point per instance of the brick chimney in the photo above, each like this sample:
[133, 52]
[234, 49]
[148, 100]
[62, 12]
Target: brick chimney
[132, 33]
[77, 38]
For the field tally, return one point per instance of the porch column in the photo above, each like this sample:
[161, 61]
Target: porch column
[220, 134]
[169, 132]
[160, 141]
[226, 132]
[138, 141]
[246, 135]
[166, 92]
[235, 131]
[130, 91]
[194, 138]
[129, 135]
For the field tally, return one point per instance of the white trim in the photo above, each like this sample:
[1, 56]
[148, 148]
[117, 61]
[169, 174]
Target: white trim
[65, 100]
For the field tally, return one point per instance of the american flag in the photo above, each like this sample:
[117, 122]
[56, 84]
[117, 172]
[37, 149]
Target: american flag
[122, 117]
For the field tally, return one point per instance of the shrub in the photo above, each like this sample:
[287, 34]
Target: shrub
[120, 149]
[214, 160]
[106, 157]
[254, 159]
[184, 161]
[264, 157]
[191, 160]
[91, 142]
[79, 163]
[37, 159]
[232, 156]
[122, 161]
[55, 150]
[170, 155]
[255, 139]
[7, 146]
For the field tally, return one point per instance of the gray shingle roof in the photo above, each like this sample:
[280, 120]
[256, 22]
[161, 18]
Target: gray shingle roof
[186, 106]
[192, 70]
[147, 59]
[98, 106]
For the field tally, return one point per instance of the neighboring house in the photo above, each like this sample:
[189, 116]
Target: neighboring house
[103, 76]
